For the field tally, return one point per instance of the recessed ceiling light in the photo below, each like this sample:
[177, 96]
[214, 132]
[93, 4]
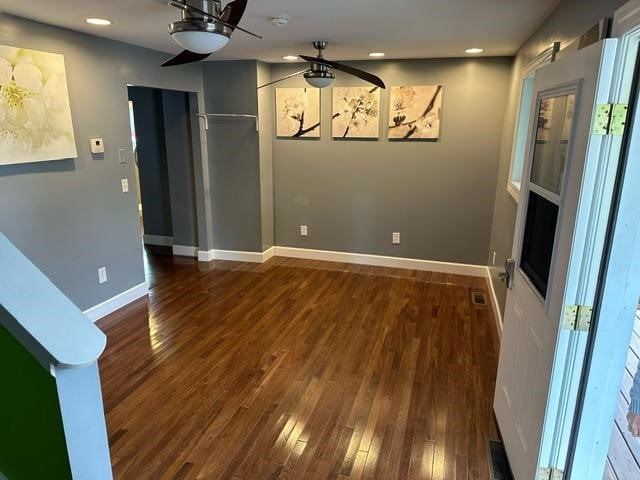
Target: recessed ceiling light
[98, 21]
[474, 50]
[376, 54]
[290, 58]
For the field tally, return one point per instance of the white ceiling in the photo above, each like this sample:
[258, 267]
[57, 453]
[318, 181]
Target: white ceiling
[400, 28]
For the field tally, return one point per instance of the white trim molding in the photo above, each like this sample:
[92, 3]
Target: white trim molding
[185, 251]
[121, 300]
[495, 305]
[382, 261]
[236, 255]
[157, 240]
[205, 255]
[268, 254]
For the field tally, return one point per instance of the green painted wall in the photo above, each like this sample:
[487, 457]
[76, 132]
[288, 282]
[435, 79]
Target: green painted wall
[32, 441]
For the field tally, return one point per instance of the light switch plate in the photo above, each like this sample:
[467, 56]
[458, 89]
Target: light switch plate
[122, 155]
[304, 231]
[97, 145]
[396, 238]
[102, 275]
[125, 185]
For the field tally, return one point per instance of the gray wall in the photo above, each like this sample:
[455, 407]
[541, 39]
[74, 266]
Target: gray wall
[439, 196]
[267, 131]
[70, 217]
[234, 158]
[152, 160]
[570, 19]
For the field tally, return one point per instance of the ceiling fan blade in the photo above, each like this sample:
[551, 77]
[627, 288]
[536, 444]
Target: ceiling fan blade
[356, 72]
[205, 15]
[284, 78]
[234, 11]
[185, 57]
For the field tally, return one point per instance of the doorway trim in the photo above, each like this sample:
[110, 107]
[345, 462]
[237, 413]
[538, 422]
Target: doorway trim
[618, 286]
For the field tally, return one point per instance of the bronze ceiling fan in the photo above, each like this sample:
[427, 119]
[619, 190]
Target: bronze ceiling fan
[319, 73]
[205, 27]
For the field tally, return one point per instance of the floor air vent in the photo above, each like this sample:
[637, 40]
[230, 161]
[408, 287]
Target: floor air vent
[478, 298]
[500, 469]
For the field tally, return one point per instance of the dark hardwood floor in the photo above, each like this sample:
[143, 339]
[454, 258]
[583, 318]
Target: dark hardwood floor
[301, 370]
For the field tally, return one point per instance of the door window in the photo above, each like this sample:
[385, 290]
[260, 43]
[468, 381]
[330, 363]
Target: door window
[555, 123]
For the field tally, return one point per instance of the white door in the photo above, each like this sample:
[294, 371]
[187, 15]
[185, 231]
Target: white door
[548, 248]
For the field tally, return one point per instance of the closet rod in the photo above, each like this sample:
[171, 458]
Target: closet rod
[206, 116]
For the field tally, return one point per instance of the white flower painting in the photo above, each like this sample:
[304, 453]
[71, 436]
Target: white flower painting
[356, 112]
[298, 112]
[414, 113]
[35, 117]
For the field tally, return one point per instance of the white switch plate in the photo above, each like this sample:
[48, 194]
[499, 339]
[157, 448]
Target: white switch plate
[304, 231]
[97, 145]
[102, 275]
[125, 185]
[396, 238]
[493, 259]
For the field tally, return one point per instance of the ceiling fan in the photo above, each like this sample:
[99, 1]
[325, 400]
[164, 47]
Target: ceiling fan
[319, 73]
[205, 27]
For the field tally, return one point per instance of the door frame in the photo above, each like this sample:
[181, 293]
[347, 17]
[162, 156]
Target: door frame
[618, 287]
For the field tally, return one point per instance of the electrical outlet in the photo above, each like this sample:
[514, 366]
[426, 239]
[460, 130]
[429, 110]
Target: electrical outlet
[304, 231]
[396, 238]
[125, 185]
[102, 275]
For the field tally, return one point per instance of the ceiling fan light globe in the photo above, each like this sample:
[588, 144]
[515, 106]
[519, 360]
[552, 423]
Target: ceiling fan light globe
[319, 82]
[200, 42]
[319, 77]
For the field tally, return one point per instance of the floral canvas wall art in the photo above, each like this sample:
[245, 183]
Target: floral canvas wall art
[35, 116]
[298, 112]
[414, 113]
[356, 112]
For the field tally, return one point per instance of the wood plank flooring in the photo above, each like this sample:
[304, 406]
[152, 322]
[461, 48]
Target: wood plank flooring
[300, 370]
[623, 462]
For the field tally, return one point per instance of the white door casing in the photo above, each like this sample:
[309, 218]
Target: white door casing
[527, 378]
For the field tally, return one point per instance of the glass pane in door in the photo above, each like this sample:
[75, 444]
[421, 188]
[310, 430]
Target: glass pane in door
[539, 238]
[555, 121]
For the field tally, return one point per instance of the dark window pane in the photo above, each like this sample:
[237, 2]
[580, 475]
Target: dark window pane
[539, 236]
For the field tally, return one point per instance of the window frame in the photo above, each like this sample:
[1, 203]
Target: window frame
[527, 77]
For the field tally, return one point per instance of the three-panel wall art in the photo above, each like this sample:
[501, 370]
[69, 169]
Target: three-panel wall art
[414, 113]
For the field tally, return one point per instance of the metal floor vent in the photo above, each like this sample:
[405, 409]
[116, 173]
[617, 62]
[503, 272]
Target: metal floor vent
[478, 298]
[500, 469]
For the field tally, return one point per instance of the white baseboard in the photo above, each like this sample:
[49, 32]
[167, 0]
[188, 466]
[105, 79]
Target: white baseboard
[268, 254]
[185, 251]
[157, 240]
[236, 255]
[205, 256]
[382, 261]
[497, 313]
[105, 308]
